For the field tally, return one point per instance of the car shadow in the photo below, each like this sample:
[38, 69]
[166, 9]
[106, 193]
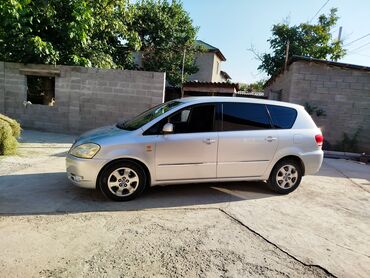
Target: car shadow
[48, 193]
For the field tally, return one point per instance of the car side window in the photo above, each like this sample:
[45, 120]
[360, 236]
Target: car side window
[282, 117]
[201, 119]
[244, 116]
[198, 118]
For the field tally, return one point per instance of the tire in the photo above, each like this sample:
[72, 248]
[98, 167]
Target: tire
[123, 181]
[285, 177]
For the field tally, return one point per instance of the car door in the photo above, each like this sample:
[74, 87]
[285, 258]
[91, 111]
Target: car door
[246, 141]
[190, 152]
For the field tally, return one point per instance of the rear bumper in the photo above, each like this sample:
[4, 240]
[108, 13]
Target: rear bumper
[312, 161]
[83, 172]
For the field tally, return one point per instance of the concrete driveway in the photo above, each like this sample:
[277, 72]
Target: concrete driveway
[50, 228]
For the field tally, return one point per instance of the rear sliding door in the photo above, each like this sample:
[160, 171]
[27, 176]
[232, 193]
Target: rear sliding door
[247, 142]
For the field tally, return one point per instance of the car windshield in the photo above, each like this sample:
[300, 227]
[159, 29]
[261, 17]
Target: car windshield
[148, 115]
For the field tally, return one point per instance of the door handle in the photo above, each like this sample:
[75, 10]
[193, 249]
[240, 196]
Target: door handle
[209, 141]
[270, 139]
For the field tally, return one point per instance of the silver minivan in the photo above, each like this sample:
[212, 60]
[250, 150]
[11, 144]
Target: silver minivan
[203, 139]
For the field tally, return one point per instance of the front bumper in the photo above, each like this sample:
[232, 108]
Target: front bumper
[83, 172]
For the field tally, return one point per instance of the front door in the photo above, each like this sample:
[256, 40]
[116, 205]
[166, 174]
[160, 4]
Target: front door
[190, 152]
[247, 143]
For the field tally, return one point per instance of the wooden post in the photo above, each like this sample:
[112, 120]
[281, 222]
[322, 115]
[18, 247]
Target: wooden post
[182, 73]
[286, 55]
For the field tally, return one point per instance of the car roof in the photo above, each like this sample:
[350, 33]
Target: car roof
[195, 100]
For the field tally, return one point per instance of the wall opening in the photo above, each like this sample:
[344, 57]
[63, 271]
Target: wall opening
[41, 90]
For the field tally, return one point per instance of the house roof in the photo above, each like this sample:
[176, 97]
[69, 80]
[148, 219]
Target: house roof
[213, 84]
[211, 48]
[296, 58]
[225, 75]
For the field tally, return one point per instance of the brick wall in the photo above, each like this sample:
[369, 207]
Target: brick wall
[344, 94]
[85, 98]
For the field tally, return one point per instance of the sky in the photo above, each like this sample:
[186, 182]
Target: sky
[234, 26]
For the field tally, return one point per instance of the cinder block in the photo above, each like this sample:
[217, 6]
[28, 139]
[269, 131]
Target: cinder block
[330, 84]
[356, 86]
[350, 79]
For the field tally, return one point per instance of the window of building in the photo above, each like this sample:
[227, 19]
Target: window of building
[244, 116]
[41, 90]
[282, 117]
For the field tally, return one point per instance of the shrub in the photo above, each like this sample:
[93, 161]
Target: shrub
[9, 131]
[349, 143]
[16, 128]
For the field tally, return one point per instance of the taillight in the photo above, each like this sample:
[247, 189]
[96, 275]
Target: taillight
[319, 139]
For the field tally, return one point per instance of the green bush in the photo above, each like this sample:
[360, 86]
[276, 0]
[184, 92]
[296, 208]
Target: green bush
[9, 131]
[16, 128]
[349, 143]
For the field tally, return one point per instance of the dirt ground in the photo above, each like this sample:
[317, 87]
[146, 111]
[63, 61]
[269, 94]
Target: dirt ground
[49, 228]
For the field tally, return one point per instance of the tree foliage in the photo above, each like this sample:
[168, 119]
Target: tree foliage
[312, 40]
[98, 33]
[165, 31]
[253, 87]
[75, 32]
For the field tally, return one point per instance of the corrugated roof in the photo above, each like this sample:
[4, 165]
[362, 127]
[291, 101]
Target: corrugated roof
[212, 84]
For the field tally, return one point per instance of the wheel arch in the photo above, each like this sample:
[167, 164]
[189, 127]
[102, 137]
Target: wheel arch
[291, 157]
[123, 159]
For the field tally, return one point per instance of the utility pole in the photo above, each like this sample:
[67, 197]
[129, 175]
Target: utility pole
[182, 73]
[340, 33]
[286, 55]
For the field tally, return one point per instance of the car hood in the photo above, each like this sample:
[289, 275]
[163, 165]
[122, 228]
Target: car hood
[100, 133]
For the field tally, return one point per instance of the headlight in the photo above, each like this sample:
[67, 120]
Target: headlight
[87, 150]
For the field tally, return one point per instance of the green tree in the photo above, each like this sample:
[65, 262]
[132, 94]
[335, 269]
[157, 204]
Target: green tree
[75, 32]
[165, 31]
[256, 86]
[252, 87]
[312, 40]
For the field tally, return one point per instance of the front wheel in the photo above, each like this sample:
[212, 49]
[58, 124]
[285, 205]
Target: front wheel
[123, 181]
[285, 176]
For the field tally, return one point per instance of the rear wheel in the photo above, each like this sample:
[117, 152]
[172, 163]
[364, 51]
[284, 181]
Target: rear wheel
[285, 176]
[123, 181]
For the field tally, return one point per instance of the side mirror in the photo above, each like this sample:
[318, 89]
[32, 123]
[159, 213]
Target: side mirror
[167, 128]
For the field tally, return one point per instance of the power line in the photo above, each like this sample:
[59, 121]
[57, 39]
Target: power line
[352, 50]
[360, 54]
[357, 39]
[319, 10]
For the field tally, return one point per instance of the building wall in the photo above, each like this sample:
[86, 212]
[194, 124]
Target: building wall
[216, 71]
[205, 64]
[85, 98]
[280, 88]
[344, 95]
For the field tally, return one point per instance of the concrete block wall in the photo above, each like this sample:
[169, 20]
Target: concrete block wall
[85, 98]
[343, 93]
[280, 87]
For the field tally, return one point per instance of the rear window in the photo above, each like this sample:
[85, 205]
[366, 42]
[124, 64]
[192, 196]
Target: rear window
[244, 116]
[282, 117]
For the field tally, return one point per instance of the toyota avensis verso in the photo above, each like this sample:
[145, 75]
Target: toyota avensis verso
[204, 139]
